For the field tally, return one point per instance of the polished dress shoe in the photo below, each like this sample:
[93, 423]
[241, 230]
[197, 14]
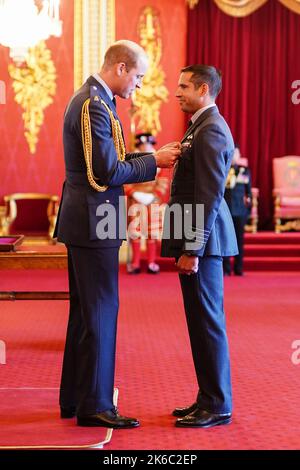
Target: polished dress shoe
[238, 272]
[184, 411]
[203, 419]
[108, 419]
[69, 412]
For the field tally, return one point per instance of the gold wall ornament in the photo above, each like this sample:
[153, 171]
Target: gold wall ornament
[192, 3]
[34, 84]
[293, 5]
[148, 100]
[241, 8]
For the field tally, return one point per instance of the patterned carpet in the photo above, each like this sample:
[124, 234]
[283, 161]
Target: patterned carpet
[154, 366]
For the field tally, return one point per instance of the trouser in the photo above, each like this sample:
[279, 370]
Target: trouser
[239, 226]
[89, 358]
[203, 302]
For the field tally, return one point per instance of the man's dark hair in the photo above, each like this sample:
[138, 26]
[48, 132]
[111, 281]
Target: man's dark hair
[205, 74]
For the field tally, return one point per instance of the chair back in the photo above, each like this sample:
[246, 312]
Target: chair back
[286, 172]
[31, 213]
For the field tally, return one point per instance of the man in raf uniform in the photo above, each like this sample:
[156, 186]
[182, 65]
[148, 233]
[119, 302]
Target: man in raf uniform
[208, 234]
[96, 168]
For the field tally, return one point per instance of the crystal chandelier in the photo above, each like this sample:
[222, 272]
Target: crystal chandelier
[23, 24]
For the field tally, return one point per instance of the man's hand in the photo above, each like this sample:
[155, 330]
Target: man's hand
[167, 155]
[187, 264]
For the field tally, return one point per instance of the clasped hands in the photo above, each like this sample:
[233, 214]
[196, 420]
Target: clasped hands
[187, 264]
[167, 155]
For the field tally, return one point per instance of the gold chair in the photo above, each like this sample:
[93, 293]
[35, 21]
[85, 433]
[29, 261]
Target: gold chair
[286, 193]
[4, 221]
[252, 223]
[32, 214]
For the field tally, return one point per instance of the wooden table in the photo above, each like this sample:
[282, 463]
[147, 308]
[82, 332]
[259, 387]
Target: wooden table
[35, 257]
[31, 256]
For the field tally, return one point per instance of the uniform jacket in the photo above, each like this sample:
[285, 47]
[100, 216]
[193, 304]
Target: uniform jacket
[235, 196]
[77, 219]
[199, 179]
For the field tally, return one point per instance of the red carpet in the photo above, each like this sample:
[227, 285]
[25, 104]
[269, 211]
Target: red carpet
[269, 251]
[264, 251]
[30, 418]
[154, 367]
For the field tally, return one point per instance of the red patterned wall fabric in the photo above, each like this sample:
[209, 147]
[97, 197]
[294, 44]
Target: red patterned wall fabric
[173, 22]
[20, 171]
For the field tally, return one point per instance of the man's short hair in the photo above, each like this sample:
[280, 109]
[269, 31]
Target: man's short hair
[205, 74]
[125, 51]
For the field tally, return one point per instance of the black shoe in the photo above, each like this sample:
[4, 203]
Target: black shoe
[108, 419]
[184, 411]
[133, 270]
[238, 272]
[203, 419]
[227, 273]
[66, 413]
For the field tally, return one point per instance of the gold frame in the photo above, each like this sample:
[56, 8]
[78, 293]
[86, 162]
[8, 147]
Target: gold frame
[9, 211]
[93, 34]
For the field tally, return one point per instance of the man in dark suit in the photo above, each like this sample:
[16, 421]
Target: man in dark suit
[207, 234]
[91, 222]
[238, 196]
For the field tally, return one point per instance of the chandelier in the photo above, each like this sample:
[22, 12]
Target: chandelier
[23, 24]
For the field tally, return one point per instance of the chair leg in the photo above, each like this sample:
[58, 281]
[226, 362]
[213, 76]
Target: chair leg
[277, 225]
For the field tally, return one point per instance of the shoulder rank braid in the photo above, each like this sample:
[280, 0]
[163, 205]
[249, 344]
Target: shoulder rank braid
[87, 142]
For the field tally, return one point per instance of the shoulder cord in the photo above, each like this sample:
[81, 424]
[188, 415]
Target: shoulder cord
[86, 134]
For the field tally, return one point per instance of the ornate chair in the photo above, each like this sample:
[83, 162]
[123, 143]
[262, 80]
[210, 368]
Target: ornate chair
[32, 214]
[286, 192]
[253, 217]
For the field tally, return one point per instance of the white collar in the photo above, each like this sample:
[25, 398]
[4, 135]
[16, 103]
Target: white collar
[200, 111]
[105, 86]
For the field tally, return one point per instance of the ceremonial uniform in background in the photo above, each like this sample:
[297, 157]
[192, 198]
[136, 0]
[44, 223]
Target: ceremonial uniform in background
[238, 197]
[148, 221]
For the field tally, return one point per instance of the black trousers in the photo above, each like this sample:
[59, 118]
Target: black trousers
[239, 226]
[89, 358]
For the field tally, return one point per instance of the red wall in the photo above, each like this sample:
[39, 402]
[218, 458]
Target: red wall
[20, 171]
[173, 21]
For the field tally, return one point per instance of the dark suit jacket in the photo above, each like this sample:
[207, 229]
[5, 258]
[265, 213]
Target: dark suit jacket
[200, 178]
[77, 219]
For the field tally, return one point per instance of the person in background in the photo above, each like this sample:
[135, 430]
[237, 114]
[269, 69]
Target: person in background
[239, 198]
[150, 194]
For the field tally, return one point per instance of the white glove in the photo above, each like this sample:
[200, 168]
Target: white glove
[143, 198]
